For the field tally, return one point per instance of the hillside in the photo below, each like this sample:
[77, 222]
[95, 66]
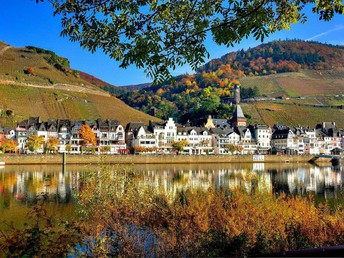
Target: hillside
[37, 82]
[302, 73]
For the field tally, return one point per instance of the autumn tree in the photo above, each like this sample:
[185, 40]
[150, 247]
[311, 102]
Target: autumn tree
[52, 144]
[179, 146]
[30, 71]
[160, 35]
[35, 142]
[68, 147]
[9, 145]
[230, 148]
[87, 135]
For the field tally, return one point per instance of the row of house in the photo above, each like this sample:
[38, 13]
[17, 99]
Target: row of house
[110, 134]
[215, 136]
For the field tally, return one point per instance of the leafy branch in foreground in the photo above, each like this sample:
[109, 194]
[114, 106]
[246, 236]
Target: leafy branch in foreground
[159, 35]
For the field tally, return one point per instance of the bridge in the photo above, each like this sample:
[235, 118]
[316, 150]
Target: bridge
[334, 159]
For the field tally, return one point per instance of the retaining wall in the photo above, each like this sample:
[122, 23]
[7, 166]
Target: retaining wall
[152, 159]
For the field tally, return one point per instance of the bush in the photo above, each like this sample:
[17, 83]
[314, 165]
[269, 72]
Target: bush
[133, 218]
[30, 71]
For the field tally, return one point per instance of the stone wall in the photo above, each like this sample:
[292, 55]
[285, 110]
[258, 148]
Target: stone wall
[151, 159]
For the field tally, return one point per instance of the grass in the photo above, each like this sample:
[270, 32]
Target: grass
[16, 60]
[271, 113]
[51, 103]
[303, 83]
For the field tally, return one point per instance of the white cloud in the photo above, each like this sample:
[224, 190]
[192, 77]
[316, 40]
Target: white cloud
[337, 28]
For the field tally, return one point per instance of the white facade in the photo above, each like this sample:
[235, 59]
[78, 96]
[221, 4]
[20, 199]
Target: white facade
[262, 135]
[165, 134]
[200, 140]
[145, 139]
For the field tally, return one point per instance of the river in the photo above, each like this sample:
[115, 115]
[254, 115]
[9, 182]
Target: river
[21, 186]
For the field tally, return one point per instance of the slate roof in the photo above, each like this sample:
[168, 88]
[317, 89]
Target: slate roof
[131, 126]
[280, 134]
[238, 113]
[222, 123]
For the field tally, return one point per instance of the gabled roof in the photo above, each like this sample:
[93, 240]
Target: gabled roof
[42, 127]
[278, 126]
[52, 127]
[222, 123]
[131, 126]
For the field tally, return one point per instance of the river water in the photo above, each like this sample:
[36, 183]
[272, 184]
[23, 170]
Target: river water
[21, 186]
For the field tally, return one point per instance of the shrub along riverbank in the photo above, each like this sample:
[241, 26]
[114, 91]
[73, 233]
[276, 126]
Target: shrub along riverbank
[121, 216]
[153, 159]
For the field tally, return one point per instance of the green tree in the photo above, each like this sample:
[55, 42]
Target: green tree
[35, 142]
[230, 148]
[160, 35]
[210, 104]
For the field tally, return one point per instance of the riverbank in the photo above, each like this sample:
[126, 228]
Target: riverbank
[14, 159]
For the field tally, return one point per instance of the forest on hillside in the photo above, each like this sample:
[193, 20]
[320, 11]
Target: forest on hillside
[190, 97]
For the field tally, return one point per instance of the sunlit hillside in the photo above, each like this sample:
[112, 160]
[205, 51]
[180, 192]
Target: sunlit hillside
[37, 82]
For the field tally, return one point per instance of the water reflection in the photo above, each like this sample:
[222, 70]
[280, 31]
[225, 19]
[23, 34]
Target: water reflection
[24, 184]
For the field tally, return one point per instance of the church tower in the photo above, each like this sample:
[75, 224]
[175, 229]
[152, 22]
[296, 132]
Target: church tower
[238, 117]
[236, 94]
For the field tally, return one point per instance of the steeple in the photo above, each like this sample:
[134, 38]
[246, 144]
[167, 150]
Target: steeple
[238, 117]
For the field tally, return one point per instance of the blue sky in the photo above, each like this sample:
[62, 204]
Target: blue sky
[23, 23]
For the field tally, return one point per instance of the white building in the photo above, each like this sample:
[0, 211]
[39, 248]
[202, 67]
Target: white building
[199, 139]
[165, 133]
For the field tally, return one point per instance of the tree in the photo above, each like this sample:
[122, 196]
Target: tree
[9, 145]
[87, 135]
[160, 35]
[52, 144]
[68, 148]
[30, 71]
[230, 148]
[35, 142]
[179, 146]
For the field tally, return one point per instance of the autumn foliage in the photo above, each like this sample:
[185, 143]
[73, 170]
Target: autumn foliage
[128, 218]
[52, 144]
[9, 145]
[87, 135]
[30, 71]
[122, 215]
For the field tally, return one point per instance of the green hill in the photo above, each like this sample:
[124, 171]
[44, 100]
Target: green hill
[37, 82]
[299, 74]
